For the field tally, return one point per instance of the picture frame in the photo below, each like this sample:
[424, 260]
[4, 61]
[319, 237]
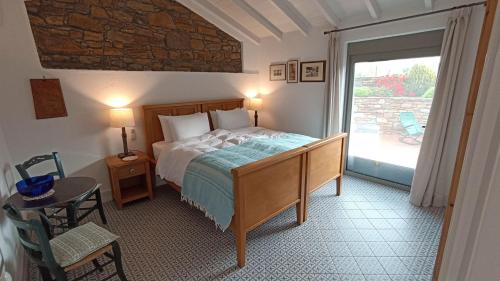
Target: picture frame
[293, 71]
[313, 71]
[277, 72]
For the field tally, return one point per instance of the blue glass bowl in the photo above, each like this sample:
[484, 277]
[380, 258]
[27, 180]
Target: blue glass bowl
[35, 186]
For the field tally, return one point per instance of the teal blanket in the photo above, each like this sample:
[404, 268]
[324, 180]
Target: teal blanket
[208, 182]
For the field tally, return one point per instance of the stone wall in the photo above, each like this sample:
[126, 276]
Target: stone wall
[384, 111]
[159, 35]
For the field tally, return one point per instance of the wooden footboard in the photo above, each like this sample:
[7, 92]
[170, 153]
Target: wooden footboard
[325, 162]
[265, 188]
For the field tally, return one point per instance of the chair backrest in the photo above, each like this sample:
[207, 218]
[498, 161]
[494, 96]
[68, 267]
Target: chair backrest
[33, 237]
[23, 168]
[410, 123]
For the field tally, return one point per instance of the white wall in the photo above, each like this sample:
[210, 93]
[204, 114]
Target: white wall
[10, 249]
[84, 137]
[299, 107]
[292, 107]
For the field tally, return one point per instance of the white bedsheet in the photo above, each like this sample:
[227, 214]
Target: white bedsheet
[174, 157]
[158, 147]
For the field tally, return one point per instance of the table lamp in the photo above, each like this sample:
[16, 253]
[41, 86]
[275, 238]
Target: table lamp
[121, 118]
[255, 104]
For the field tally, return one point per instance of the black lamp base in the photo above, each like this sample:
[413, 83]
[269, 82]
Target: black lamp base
[126, 152]
[123, 155]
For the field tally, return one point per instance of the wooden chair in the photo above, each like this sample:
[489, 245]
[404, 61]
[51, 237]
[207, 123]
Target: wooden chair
[93, 196]
[68, 251]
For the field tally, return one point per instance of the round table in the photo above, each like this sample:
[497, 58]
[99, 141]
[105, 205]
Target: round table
[66, 190]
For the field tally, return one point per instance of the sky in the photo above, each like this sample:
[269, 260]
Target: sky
[389, 67]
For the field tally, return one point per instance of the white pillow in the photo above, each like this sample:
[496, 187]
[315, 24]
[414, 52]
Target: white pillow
[213, 116]
[233, 119]
[188, 126]
[167, 136]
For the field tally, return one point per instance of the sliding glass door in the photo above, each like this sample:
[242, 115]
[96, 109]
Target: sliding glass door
[389, 100]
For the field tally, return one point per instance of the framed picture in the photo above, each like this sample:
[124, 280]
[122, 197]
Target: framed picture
[312, 71]
[277, 72]
[293, 71]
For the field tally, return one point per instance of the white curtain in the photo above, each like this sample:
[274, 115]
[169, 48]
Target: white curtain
[431, 182]
[332, 102]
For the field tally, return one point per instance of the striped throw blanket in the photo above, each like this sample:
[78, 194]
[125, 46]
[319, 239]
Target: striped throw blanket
[208, 182]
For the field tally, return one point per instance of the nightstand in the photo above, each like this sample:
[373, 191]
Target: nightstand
[130, 180]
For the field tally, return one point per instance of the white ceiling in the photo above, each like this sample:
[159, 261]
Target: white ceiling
[268, 19]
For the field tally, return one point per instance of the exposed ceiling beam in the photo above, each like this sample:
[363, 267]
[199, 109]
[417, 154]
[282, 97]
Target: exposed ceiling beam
[327, 12]
[275, 32]
[220, 19]
[294, 15]
[429, 4]
[373, 8]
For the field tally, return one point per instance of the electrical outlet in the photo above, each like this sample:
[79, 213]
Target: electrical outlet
[133, 136]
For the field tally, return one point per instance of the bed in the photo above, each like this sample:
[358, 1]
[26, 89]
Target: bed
[266, 187]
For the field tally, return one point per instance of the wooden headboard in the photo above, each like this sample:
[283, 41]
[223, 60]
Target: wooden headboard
[152, 123]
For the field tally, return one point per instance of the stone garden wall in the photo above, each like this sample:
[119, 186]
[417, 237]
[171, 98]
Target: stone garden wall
[158, 35]
[384, 111]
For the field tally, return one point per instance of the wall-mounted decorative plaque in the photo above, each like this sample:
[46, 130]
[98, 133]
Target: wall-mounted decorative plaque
[48, 98]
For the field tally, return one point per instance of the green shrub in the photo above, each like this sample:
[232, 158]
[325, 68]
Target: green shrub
[429, 94]
[419, 79]
[381, 92]
[362, 91]
[372, 92]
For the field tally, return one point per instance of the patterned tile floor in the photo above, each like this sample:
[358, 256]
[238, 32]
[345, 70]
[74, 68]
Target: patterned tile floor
[369, 233]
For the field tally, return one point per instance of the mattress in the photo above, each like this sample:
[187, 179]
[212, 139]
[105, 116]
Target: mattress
[173, 158]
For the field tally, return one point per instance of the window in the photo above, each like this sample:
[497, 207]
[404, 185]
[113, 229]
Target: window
[389, 98]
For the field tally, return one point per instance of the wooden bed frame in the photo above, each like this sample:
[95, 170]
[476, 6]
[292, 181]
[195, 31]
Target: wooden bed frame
[265, 188]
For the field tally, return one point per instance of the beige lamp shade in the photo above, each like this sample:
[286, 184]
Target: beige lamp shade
[255, 104]
[122, 117]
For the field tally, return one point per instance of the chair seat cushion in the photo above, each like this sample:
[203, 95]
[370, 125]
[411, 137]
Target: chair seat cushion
[79, 242]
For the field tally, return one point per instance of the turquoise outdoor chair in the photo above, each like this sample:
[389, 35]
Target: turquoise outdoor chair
[93, 196]
[68, 251]
[413, 129]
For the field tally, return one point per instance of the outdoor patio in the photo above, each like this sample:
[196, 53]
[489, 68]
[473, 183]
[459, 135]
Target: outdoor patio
[386, 147]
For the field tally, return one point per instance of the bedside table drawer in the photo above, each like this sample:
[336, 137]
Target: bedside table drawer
[131, 171]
